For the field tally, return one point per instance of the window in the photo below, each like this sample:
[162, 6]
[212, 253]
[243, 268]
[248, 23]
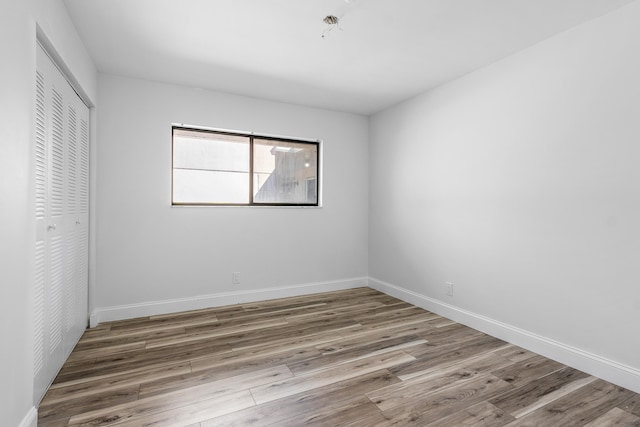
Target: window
[225, 168]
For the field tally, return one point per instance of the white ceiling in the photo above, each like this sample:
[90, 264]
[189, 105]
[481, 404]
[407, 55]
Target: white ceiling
[385, 52]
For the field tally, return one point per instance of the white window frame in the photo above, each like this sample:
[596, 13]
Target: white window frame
[251, 136]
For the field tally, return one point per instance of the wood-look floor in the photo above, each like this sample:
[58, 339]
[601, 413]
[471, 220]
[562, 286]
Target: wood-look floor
[356, 357]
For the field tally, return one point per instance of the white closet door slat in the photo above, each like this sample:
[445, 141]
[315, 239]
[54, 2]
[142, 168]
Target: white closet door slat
[55, 294]
[84, 166]
[72, 163]
[40, 160]
[38, 333]
[82, 275]
[56, 191]
[40, 203]
[69, 293]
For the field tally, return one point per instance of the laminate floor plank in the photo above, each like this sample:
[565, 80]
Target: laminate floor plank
[447, 338]
[146, 407]
[355, 357]
[482, 414]
[447, 355]
[528, 370]
[632, 405]
[110, 383]
[102, 376]
[74, 405]
[368, 420]
[382, 309]
[114, 363]
[366, 333]
[515, 353]
[243, 316]
[211, 312]
[397, 314]
[58, 422]
[443, 339]
[325, 361]
[93, 353]
[337, 313]
[249, 358]
[343, 413]
[136, 336]
[226, 310]
[99, 331]
[536, 394]
[328, 297]
[446, 402]
[214, 332]
[615, 417]
[191, 413]
[577, 408]
[352, 340]
[154, 324]
[151, 324]
[316, 379]
[284, 335]
[295, 407]
[223, 384]
[298, 307]
[335, 301]
[397, 395]
[247, 377]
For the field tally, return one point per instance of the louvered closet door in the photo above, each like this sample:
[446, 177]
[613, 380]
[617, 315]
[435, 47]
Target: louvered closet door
[61, 213]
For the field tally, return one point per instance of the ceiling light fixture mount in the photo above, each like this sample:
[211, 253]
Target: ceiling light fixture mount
[332, 22]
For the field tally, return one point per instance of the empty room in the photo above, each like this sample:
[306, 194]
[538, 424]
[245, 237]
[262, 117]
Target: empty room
[321, 212]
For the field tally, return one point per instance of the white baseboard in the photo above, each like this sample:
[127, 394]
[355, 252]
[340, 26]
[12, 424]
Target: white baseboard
[152, 308]
[609, 370]
[31, 419]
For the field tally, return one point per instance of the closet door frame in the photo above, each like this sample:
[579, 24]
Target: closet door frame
[61, 169]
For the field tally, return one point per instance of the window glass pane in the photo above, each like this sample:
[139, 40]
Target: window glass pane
[284, 172]
[197, 186]
[210, 167]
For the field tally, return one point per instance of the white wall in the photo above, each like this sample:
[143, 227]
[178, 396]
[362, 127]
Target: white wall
[520, 184]
[17, 79]
[148, 251]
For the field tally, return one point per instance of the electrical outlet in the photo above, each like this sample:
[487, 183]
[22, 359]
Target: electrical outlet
[449, 288]
[235, 278]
